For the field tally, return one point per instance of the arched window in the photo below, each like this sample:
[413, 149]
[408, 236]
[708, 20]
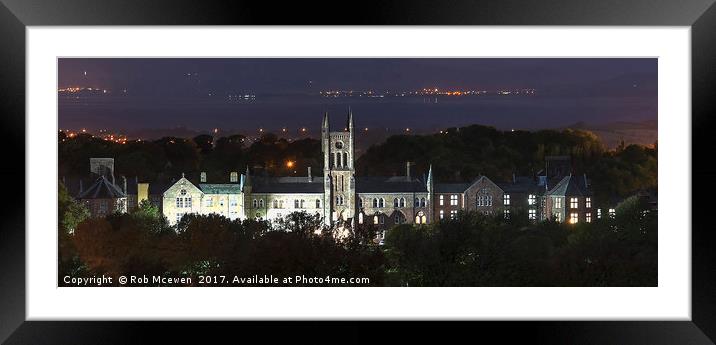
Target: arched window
[275, 204]
[255, 203]
[302, 201]
[318, 203]
[381, 204]
[417, 202]
[261, 203]
[360, 202]
[423, 202]
[345, 159]
[396, 202]
[375, 203]
[420, 218]
[295, 203]
[402, 202]
[399, 218]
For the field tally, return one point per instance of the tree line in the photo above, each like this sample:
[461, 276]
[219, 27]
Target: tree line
[470, 250]
[456, 155]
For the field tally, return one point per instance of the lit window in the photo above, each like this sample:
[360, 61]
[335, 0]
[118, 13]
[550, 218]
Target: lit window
[557, 202]
[573, 202]
[531, 199]
[588, 217]
[507, 213]
[506, 200]
[442, 200]
[573, 218]
[360, 218]
[453, 214]
[375, 219]
[532, 214]
[442, 214]
[612, 212]
[558, 217]
[420, 218]
[588, 202]
[179, 216]
[599, 213]
[453, 200]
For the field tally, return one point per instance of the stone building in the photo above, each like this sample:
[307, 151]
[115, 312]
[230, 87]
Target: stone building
[103, 198]
[338, 196]
[570, 200]
[341, 198]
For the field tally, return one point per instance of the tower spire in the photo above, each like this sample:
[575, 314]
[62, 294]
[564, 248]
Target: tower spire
[350, 119]
[247, 181]
[325, 121]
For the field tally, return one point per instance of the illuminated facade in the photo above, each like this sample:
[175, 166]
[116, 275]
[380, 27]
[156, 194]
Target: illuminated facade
[339, 197]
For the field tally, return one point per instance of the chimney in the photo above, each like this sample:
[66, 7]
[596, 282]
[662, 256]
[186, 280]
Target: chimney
[234, 177]
[310, 176]
[124, 185]
[202, 177]
[407, 170]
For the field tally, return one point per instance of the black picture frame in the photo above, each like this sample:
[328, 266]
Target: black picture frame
[15, 15]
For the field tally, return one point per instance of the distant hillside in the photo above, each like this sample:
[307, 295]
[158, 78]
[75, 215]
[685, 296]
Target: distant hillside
[611, 134]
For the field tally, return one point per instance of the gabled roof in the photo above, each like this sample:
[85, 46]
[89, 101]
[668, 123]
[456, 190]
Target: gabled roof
[451, 187]
[102, 189]
[521, 184]
[220, 188]
[570, 186]
[287, 185]
[392, 184]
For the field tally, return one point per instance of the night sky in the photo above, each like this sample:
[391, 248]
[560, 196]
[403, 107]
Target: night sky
[195, 93]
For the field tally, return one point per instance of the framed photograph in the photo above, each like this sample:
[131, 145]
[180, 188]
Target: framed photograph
[474, 162]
